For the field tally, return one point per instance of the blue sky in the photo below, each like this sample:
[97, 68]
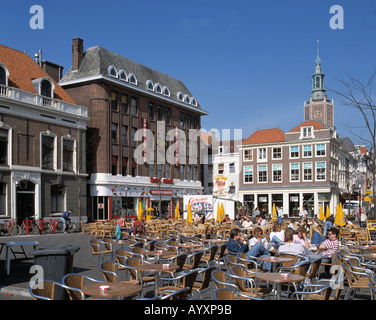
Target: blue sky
[248, 63]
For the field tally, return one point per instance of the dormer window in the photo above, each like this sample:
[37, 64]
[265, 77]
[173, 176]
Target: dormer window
[158, 88]
[46, 88]
[112, 71]
[180, 96]
[150, 85]
[166, 91]
[132, 79]
[122, 75]
[306, 132]
[193, 102]
[4, 75]
[186, 98]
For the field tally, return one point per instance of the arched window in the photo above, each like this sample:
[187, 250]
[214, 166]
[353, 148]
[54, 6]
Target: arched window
[166, 91]
[3, 77]
[112, 71]
[180, 96]
[158, 88]
[46, 89]
[150, 85]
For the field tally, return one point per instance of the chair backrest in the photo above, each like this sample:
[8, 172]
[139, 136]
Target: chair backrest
[197, 259]
[76, 281]
[212, 252]
[180, 294]
[180, 260]
[373, 290]
[241, 273]
[130, 264]
[109, 269]
[189, 279]
[315, 266]
[206, 278]
[45, 290]
[121, 255]
[95, 246]
[289, 263]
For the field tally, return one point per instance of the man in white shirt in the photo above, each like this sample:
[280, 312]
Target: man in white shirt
[247, 223]
[303, 213]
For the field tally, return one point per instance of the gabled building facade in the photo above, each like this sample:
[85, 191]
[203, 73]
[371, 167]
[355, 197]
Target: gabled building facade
[139, 144]
[42, 142]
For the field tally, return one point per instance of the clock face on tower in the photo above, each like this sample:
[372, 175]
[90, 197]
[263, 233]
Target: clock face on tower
[317, 114]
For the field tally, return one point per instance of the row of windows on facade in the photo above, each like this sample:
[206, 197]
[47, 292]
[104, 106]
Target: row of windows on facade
[155, 113]
[153, 171]
[48, 147]
[294, 152]
[296, 169]
[44, 84]
[157, 87]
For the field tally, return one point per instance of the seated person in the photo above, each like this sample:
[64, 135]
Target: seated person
[121, 226]
[317, 236]
[238, 244]
[301, 237]
[257, 238]
[291, 247]
[247, 223]
[277, 236]
[329, 246]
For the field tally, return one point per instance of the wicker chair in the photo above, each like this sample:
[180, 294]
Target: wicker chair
[186, 279]
[231, 294]
[75, 280]
[45, 290]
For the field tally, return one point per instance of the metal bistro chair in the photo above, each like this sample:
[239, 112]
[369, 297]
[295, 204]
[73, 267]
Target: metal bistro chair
[45, 290]
[200, 286]
[231, 294]
[75, 280]
[184, 279]
[98, 248]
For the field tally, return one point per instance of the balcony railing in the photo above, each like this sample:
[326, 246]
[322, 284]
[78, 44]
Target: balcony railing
[38, 100]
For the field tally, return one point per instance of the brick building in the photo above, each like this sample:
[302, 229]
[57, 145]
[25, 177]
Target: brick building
[138, 133]
[42, 134]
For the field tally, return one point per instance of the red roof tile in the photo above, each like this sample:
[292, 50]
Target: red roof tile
[265, 136]
[317, 125]
[23, 69]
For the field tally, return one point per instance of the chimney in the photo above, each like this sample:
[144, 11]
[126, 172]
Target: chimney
[77, 53]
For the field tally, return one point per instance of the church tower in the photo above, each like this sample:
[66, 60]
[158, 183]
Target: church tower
[319, 106]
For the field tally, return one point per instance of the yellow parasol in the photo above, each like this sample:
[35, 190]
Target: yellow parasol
[274, 213]
[222, 212]
[339, 216]
[218, 213]
[177, 213]
[327, 211]
[321, 214]
[189, 213]
[140, 211]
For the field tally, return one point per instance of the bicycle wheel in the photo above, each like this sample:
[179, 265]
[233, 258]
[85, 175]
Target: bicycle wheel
[72, 227]
[59, 227]
[15, 230]
[47, 228]
[34, 229]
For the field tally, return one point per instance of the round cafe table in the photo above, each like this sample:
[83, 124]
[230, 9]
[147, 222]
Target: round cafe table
[115, 290]
[277, 279]
[157, 268]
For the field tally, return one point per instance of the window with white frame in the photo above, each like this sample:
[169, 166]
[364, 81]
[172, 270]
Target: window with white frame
[294, 171]
[247, 155]
[262, 154]
[277, 153]
[277, 172]
[321, 170]
[48, 152]
[248, 174]
[307, 171]
[221, 168]
[294, 152]
[231, 167]
[306, 132]
[262, 173]
[307, 151]
[3, 146]
[320, 150]
[57, 198]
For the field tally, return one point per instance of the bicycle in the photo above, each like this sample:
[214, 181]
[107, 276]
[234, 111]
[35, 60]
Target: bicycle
[10, 228]
[34, 227]
[70, 227]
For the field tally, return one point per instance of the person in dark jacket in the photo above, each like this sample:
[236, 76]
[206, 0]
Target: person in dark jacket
[65, 218]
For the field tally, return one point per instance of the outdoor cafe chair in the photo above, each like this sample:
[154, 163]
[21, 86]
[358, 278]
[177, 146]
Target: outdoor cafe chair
[135, 276]
[180, 294]
[178, 259]
[45, 290]
[231, 261]
[248, 262]
[98, 248]
[313, 292]
[110, 270]
[202, 285]
[231, 294]
[220, 255]
[209, 255]
[223, 279]
[195, 259]
[182, 280]
[75, 280]
[243, 278]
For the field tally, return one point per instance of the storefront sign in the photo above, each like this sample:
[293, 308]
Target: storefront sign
[156, 192]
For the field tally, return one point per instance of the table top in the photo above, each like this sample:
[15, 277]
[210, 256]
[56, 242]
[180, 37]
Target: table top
[274, 259]
[278, 278]
[156, 267]
[163, 254]
[116, 289]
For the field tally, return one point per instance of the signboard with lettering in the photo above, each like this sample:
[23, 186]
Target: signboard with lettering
[371, 227]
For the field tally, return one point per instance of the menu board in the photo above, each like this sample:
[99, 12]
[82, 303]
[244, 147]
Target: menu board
[371, 227]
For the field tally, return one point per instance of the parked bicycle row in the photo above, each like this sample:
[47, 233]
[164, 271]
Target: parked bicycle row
[9, 227]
